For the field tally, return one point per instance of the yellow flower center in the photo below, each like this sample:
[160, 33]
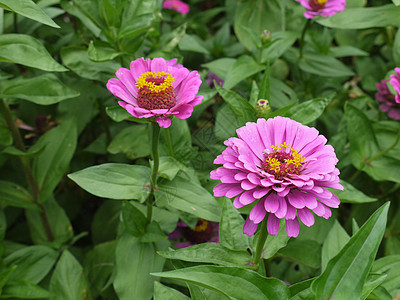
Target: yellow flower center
[201, 225]
[154, 82]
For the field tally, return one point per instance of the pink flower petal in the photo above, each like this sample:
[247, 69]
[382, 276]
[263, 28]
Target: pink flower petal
[249, 227]
[258, 212]
[272, 224]
[292, 227]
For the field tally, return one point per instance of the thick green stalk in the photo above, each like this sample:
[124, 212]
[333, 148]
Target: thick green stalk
[260, 244]
[25, 165]
[156, 162]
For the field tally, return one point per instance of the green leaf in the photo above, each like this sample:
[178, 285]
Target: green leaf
[162, 292]
[99, 265]
[169, 167]
[346, 50]
[309, 111]
[32, 151]
[306, 252]
[210, 253]
[119, 114]
[100, 51]
[238, 104]
[115, 181]
[362, 146]
[134, 263]
[68, 280]
[44, 90]
[33, 263]
[58, 222]
[28, 51]
[396, 2]
[226, 123]
[325, 66]
[231, 228]
[232, 282]
[243, 68]
[301, 290]
[53, 162]
[220, 66]
[106, 222]
[3, 226]
[346, 273]
[276, 242]
[153, 233]
[389, 265]
[188, 197]
[138, 25]
[192, 43]
[373, 281]
[351, 195]
[76, 58]
[336, 239]
[132, 141]
[24, 290]
[365, 17]
[15, 195]
[280, 42]
[134, 220]
[29, 9]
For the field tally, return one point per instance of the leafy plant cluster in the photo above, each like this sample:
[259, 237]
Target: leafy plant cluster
[75, 168]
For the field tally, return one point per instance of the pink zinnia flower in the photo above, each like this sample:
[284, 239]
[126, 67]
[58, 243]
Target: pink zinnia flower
[285, 167]
[179, 6]
[157, 89]
[204, 232]
[324, 8]
[395, 82]
[389, 104]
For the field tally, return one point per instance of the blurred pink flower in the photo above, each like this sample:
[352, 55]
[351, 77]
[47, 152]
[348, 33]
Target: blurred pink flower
[157, 88]
[323, 8]
[179, 6]
[395, 82]
[204, 232]
[285, 167]
[389, 104]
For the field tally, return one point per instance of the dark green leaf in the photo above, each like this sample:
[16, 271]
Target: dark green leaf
[15, 195]
[134, 220]
[68, 280]
[346, 273]
[310, 110]
[243, 68]
[233, 282]
[44, 90]
[28, 51]
[24, 290]
[210, 253]
[29, 9]
[53, 162]
[280, 42]
[153, 233]
[132, 141]
[118, 114]
[32, 151]
[325, 66]
[139, 24]
[351, 195]
[115, 181]
[100, 51]
[346, 50]
[307, 252]
[276, 242]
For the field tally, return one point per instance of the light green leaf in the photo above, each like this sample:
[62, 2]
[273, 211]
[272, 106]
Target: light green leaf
[68, 281]
[134, 220]
[346, 50]
[52, 163]
[162, 292]
[309, 111]
[280, 42]
[232, 282]
[373, 281]
[29, 9]
[44, 90]
[346, 273]
[220, 66]
[24, 290]
[134, 263]
[244, 67]
[389, 265]
[28, 51]
[210, 253]
[325, 66]
[192, 43]
[188, 197]
[100, 51]
[115, 181]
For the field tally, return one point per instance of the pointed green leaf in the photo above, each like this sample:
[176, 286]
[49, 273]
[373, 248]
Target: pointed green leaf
[15, 195]
[243, 68]
[162, 292]
[134, 220]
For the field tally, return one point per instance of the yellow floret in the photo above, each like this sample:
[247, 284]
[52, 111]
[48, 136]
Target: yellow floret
[152, 87]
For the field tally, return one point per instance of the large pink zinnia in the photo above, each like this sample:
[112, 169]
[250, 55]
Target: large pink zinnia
[179, 6]
[324, 8]
[395, 82]
[284, 166]
[157, 89]
[387, 99]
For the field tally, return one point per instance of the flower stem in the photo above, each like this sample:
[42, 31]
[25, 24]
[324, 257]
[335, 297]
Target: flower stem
[154, 170]
[169, 141]
[303, 33]
[260, 243]
[25, 165]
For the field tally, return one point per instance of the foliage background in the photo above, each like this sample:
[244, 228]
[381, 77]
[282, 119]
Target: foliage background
[81, 236]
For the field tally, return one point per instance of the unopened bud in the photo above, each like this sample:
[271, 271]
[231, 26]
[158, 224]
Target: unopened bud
[265, 36]
[262, 108]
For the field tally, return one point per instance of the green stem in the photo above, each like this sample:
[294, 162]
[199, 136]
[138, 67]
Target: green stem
[25, 165]
[156, 162]
[303, 33]
[260, 244]
[169, 142]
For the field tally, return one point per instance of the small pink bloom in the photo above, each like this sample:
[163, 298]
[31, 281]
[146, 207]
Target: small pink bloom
[179, 6]
[323, 8]
[157, 88]
[282, 166]
[204, 232]
[395, 82]
[387, 99]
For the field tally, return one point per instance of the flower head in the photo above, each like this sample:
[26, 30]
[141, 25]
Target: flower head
[157, 89]
[387, 99]
[210, 77]
[323, 8]
[285, 167]
[204, 232]
[395, 82]
[179, 6]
